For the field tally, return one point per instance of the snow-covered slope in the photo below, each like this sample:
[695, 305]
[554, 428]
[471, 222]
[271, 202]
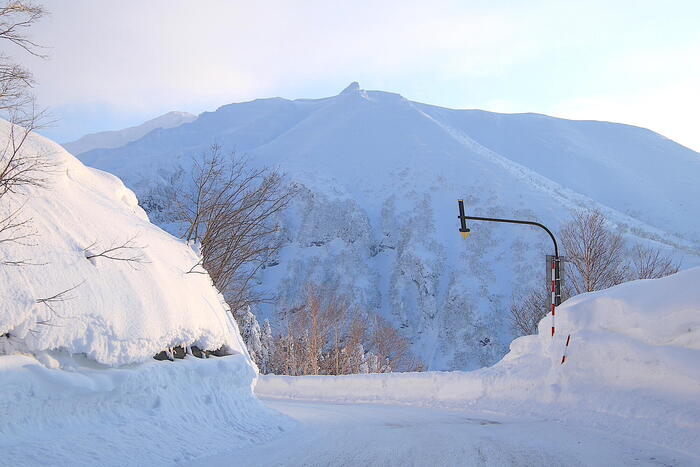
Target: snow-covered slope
[632, 367]
[115, 312]
[117, 138]
[379, 179]
[62, 401]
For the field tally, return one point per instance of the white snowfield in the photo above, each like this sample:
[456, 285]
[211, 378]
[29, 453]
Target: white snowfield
[633, 368]
[78, 385]
[118, 312]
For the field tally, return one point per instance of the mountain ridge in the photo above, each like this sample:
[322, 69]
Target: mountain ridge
[118, 138]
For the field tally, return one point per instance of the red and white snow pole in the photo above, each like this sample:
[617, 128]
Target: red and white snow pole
[566, 348]
[554, 293]
[554, 273]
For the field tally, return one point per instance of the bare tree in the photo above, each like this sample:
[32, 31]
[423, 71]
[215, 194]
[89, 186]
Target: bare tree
[650, 263]
[596, 254]
[328, 335]
[229, 209]
[528, 309]
[314, 330]
[17, 167]
[391, 349]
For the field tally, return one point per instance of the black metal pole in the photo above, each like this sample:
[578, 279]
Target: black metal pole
[462, 217]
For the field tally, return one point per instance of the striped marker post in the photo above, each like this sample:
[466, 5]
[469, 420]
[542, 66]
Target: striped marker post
[566, 347]
[554, 292]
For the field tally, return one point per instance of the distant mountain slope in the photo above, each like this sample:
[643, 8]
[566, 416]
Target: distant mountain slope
[377, 214]
[117, 138]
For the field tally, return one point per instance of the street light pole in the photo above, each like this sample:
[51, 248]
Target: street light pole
[556, 261]
[463, 218]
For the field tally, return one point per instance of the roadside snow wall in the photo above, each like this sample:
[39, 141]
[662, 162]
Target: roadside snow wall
[633, 364]
[153, 413]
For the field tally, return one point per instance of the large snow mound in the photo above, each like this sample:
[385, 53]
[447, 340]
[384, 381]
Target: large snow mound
[118, 312]
[154, 413]
[633, 364]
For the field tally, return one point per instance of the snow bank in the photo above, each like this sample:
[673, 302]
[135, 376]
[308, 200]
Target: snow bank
[118, 312]
[62, 402]
[153, 413]
[633, 365]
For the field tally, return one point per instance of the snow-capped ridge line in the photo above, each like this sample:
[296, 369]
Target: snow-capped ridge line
[567, 197]
[117, 138]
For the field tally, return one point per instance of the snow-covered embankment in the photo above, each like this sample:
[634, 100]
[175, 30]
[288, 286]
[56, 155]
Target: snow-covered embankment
[89, 293]
[633, 366]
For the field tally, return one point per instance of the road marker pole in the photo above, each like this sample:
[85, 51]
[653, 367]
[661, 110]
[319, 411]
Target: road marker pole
[566, 347]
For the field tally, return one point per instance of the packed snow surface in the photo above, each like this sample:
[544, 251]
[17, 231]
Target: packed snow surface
[153, 413]
[376, 215]
[332, 433]
[115, 312]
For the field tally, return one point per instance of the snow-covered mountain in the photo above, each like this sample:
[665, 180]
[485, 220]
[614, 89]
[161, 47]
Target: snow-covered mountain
[376, 216]
[117, 138]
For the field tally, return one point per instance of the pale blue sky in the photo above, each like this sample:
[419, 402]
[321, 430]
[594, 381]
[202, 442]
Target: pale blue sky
[115, 64]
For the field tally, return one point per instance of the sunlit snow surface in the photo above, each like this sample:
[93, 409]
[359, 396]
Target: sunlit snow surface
[117, 312]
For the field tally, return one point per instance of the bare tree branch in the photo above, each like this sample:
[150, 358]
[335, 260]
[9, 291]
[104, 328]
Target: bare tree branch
[229, 209]
[127, 251]
[528, 309]
[651, 263]
[16, 17]
[59, 297]
[596, 253]
[19, 168]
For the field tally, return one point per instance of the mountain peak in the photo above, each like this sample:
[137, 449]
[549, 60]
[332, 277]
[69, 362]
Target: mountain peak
[353, 87]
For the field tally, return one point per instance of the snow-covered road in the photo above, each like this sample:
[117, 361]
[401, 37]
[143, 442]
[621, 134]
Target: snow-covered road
[364, 434]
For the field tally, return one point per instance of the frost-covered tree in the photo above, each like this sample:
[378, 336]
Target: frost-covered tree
[250, 331]
[267, 347]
